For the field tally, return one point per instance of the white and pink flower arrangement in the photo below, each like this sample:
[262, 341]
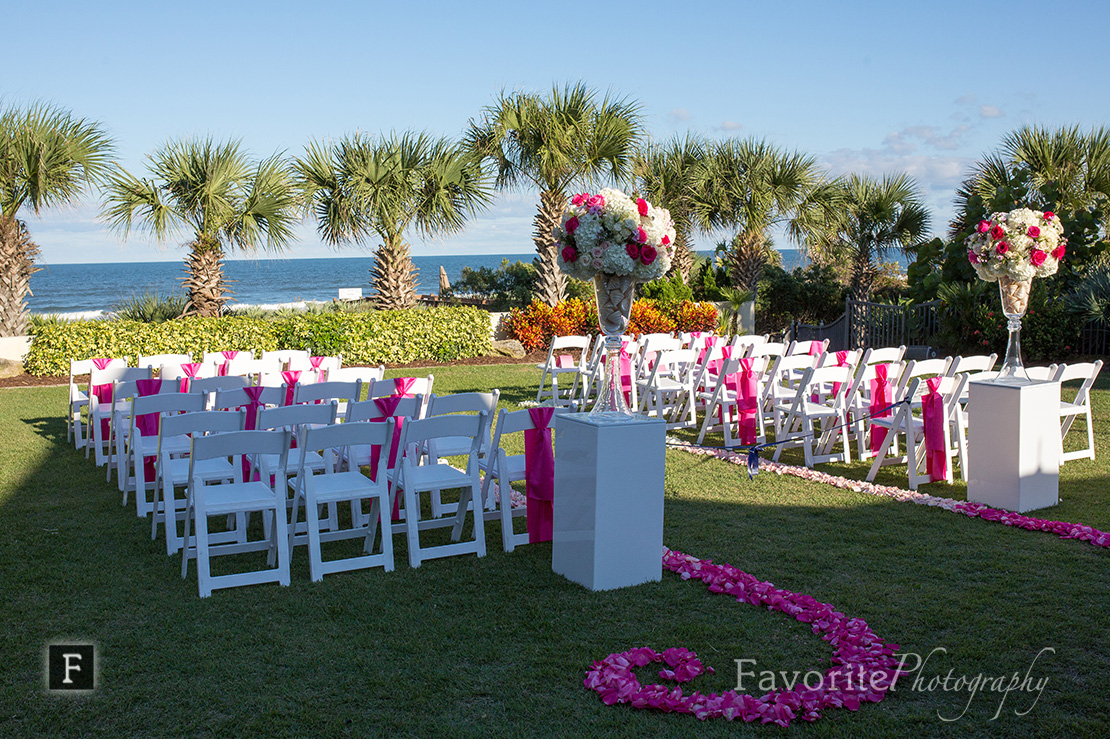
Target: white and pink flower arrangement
[613, 234]
[1021, 245]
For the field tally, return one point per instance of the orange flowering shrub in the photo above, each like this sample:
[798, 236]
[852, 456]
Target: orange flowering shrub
[535, 325]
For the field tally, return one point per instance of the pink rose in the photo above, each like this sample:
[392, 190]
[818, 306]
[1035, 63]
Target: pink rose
[1033, 232]
[641, 206]
[580, 198]
[647, 254]
[570, 254]
[973, 257]
[984, 226]
[1049, 215]
[666, 239]
[1037, 257]
[641, 235]
[1058, 252]
[572, 223]
[595, 203]
[1002, 248]
[997, 232]
[633, 251]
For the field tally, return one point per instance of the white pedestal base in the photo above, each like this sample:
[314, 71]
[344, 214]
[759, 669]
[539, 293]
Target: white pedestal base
[1014, 445]
[608, 507]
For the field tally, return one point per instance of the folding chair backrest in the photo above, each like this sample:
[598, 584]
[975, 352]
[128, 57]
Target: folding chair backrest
[421, 430]
[420, 386]
[511, 422]
[201, 422]
[976, 363]
[212, 384]
[330, 390]
[288, 416]
[237, 443]
[768, 349]
[218, 357]
[236, 397]
[368, 410]
[886, 354]
[1086, 371]
[1050, 373]
[86, 366]
[817, 379]
[250, 367]
[916, 368]
[807, 347]
[112, 375]
[130, 388]
[155, 361]
[171, 402]
[368, 375]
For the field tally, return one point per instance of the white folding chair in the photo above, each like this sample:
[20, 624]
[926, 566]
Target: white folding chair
[289, 359]
[668, 390]
[506, 469]
[255, 369]
[904, 423]
[562, 364]
[101, 412]
[411, 477]
[133, 472]
[405, 386]
[814, 348]
[885, 355]
[78, 399]
[780, 384]
[222, 359]
[175, 371]
[722, 403]
[119, 432]
[237, 397]
[295, 419]
[323, 367]
[209, 498]
[329, 486]
[368, 375]
[442, 448]
[208, 386]
[650, 345]
[173, 472]
[1080, 405]
[815, 425]
[339, 391]
[861, 401]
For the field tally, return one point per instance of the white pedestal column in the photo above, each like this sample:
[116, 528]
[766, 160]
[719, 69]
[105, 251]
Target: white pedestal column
[608, 508]
[1014, 445]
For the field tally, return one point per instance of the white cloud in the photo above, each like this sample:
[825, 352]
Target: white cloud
[728, 126]
[990, 111]
[679, 115]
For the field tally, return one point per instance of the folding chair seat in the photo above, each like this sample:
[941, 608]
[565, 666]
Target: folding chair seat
[442, 448]
[736, 397]
[563, 365]
[172, 472]
[329, 486]
[78, 398]
[412, 476]
[103, 404]
[668, 391]
[208, 499]
[508, 468]
[1080, 405]
[145, 442]
[945, 390]
[817, 417]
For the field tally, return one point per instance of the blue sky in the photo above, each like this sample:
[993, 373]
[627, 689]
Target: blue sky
[870, 87]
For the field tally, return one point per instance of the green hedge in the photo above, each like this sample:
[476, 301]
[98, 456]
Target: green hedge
[439, 334]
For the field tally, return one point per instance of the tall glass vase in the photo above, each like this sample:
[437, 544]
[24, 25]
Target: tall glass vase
[614, 307]
[1015, 301]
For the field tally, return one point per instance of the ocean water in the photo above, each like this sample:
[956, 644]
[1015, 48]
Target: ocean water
[88, 289]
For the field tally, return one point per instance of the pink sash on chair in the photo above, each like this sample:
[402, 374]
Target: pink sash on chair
[190, 370]
[880, 405]
[747, 401]
[731, 381]
[564, 361]
[388, 407]
[147, 424]
[228, 356]
[316, 362]
[402, 386]
[932, 413]
[816, 348]
[290, 377]
[539, 474]
[103, 394]
[841, 361]
[250, 423]
[710, 342]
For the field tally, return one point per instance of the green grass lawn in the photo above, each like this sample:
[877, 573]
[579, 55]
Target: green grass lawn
[499, 646]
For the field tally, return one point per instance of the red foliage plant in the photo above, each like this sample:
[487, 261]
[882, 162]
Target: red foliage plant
[534, 326]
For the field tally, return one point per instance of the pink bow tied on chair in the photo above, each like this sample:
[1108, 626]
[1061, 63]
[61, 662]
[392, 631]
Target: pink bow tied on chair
[291, 377]
[747, 401]
[147, 424]
[539, 475]
[103, 394]
[250, 423]
[189, 369]
[388, 408]
[932, 413]
[228, 356]
[402, 386]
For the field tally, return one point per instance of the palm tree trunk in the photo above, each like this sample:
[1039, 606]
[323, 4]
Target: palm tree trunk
[17, 264]
[393, 276]
[746, 260]
[862, 279]
[551, 284]
[683, 259]
[205, 283]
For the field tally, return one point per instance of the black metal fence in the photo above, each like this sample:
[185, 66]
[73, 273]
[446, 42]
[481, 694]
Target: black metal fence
[866, 325]
[1094, 340]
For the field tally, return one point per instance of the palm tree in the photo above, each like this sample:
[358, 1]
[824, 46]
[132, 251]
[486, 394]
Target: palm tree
[554, 143]
[872, 217]
[47, 157]
[220, 194]
[667, 174]
[363, 186]
[747, 187]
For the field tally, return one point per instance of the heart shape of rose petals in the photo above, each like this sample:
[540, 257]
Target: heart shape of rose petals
[864, 666]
